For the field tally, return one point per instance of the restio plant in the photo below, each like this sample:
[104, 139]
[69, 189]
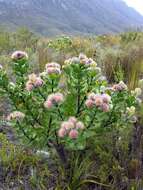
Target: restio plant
[65, 109]
[17, 163]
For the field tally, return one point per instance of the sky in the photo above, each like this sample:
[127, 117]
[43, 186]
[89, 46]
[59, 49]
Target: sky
[137, 4]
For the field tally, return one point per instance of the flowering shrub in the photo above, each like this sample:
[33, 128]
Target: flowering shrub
[66, 107]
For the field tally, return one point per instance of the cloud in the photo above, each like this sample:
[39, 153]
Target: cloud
[137, 4]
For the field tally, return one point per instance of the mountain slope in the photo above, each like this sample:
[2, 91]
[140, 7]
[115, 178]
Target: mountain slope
[51, 17]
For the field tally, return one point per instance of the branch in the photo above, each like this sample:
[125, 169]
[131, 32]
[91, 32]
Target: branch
[49, 125]
[25, 134]
[92, 120]
[60, 114]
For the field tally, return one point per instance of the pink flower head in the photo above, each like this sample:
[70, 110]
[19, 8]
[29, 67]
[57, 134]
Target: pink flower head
[79, 125]
[84, 61]
[39, 82]
[90, 61]
[33, 81]
[48, 104]
[120, 87]
[32, 78]
[53, 99]
[53, 70]
[29, 86]
[73, 120]
[71, 127]
[106, 98]
[61, 132]
[82, 56]
[67, 125]
[53, 65]
[98, 101]
[56, 98]
[18, 55]
[73, 134]
[89, 103]
[16, 115]
[93, 96]
[123, 85]
[105, 107]
[117, 87]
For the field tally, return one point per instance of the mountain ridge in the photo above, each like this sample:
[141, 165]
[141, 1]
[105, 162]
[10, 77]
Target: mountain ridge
[52, 17]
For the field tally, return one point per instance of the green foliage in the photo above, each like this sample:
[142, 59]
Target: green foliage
[25, 39]
[131, 37]
[5, 42]
[21, 39]
[61, 44]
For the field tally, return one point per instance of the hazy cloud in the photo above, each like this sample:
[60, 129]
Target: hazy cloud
[137, 4]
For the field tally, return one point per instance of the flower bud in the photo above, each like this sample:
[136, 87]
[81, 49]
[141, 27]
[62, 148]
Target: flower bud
[89, 103]
[72, 119]
[16, 115]
[79, 125]
[29, 86]
[73, 134]
[67, 125]
[53, 65]
[53, 70]
[106, 98]
[98, 101]
[48, 104]
[39, 82]
[105, 107]
[61, 132]
[82, 56]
